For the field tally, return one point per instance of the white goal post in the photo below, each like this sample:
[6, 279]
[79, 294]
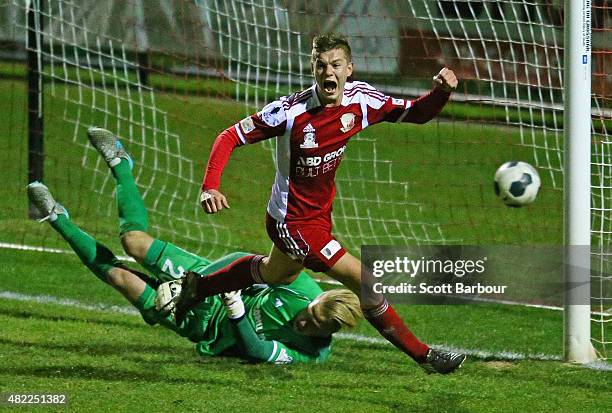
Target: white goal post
[577, 134]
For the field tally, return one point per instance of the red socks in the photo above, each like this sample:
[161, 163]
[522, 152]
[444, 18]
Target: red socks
[390, 326]
[240, 274]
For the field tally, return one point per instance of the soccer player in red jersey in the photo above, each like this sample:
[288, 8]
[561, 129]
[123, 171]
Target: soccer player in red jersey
[312, 128]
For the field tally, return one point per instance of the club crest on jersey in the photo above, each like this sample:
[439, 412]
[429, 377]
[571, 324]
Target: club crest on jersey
[309, 138]
[348, 122]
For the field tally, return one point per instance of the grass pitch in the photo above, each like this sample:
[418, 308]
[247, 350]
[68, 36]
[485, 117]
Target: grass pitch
[106, 360]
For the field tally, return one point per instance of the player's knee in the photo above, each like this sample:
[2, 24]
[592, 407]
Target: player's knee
[116, 277]
[136, 244]
[281, 280]
[272, 274]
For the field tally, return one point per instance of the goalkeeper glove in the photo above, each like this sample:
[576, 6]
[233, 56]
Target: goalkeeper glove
[233, 304]
[167, 292]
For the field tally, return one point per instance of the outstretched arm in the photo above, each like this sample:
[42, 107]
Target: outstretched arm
[420, 110]
[425, 108]
[267, 123]
[211, 199]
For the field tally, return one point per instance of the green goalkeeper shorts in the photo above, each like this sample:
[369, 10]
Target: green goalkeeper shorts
[168, 262]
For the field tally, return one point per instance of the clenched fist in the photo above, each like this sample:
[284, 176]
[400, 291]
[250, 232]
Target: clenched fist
[446, 80]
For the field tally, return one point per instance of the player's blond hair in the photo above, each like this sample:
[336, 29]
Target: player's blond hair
[340, 305]
[328, 41]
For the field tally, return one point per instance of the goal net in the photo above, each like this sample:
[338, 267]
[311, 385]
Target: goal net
[168, 76]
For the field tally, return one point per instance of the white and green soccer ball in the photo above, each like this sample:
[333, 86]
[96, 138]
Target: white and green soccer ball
[517, 183]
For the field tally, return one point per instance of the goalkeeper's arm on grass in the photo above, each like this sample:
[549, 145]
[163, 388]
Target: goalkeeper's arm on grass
[250, 345]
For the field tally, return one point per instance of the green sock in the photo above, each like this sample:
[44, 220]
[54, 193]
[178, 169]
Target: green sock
[132, 212]
[97, 257]
[146, 301]
[146, 305]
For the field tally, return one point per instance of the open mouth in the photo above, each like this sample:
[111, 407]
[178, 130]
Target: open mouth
[329, 86]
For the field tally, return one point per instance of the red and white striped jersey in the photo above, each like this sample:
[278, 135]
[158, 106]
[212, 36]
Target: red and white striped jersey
[312, 140]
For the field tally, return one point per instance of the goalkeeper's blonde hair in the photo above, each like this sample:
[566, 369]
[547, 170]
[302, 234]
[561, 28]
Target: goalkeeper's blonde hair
[340, 305]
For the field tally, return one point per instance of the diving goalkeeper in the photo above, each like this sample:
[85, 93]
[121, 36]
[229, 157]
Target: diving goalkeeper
[284, 324]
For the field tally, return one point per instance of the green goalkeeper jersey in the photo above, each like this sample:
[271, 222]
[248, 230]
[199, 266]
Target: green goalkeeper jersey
[270, 311]
[265, 333]
[269, 314]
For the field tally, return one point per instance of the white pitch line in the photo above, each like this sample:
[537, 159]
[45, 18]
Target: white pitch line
[67, 302]
[317, 279]
[20, 247]
[481, 354]
[484, 354]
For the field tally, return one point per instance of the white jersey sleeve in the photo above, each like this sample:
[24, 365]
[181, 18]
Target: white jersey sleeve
[269, 122]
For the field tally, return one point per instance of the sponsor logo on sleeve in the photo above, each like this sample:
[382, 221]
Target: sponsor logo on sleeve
[331, 249]
[273, 114]
[398, 102]
[247, 125]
